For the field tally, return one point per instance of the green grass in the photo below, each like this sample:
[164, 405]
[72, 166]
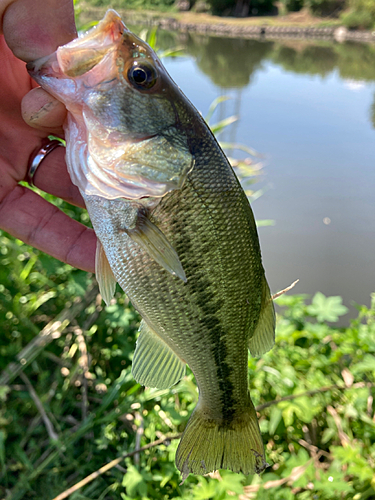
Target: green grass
[141, 10]
[93, 411]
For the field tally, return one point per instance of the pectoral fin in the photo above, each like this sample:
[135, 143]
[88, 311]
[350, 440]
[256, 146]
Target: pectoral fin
[153, 241]
[104, 274]
[154, 362]
[264, 335]
[156, 165]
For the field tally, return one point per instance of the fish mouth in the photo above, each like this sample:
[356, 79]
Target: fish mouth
[47, 66]
[82, 53]
[37, 65]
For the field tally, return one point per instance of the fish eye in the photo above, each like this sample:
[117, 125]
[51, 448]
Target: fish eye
[142, 75]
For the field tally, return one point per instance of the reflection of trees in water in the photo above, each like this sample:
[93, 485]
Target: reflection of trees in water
[372, 112]
[356, 61]
[231, 63]
[351, 60]
[228, 62]
[307, 59]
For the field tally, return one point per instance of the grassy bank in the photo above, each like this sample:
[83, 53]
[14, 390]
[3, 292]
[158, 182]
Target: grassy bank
[302, 19]
[69, 405]
[296, 19]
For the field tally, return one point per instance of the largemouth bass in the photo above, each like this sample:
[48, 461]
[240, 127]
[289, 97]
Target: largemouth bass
[175, 230]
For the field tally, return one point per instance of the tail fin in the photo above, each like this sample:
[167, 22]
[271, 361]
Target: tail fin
[208, 445]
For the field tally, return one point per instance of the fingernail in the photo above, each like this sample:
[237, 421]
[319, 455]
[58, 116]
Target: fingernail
[43, 111]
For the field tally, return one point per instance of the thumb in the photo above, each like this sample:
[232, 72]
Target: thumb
[42, 111]
[34, 29]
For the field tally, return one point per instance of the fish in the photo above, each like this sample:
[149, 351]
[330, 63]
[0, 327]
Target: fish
[175, 230]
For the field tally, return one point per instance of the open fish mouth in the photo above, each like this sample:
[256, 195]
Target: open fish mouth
[110, 152]
[83, 53]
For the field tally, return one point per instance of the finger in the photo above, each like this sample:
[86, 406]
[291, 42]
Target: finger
[42, 111]
[35, 29]
[53, 178]
[29, 217]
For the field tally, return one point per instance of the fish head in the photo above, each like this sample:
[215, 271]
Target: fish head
[124, 132]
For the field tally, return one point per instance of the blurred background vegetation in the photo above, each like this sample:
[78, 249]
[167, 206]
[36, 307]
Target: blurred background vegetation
[354, 14]
[69, 404]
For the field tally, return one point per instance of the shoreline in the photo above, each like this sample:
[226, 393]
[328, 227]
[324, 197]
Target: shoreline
[270, 27]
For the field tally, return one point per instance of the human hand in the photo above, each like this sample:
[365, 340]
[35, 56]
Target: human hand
[31, 30]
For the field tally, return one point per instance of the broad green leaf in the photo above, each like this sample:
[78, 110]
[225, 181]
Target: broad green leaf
[326, 308]
[288, 414]
[301, 458]
[332, 483]
[367, 365]
[231, 482]
[328, 434]
[349, 454]
[207, 489]
[4, 391]
[361, 470]
[301, 407]
[124, 497]
[134, 483]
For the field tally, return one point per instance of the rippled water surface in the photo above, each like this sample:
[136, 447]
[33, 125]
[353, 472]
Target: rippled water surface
[308, 107]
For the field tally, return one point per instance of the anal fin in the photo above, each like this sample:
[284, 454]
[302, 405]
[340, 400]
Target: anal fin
[154, 362]
[104, 274]
[153, 241]
[263, 338]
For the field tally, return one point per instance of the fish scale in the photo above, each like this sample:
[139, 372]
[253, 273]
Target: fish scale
[175, 230]
[206, 304]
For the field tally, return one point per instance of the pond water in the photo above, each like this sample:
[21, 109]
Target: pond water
[309, 108]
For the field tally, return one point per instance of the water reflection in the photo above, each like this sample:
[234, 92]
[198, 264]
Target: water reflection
[305, 58]
[230, 62]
